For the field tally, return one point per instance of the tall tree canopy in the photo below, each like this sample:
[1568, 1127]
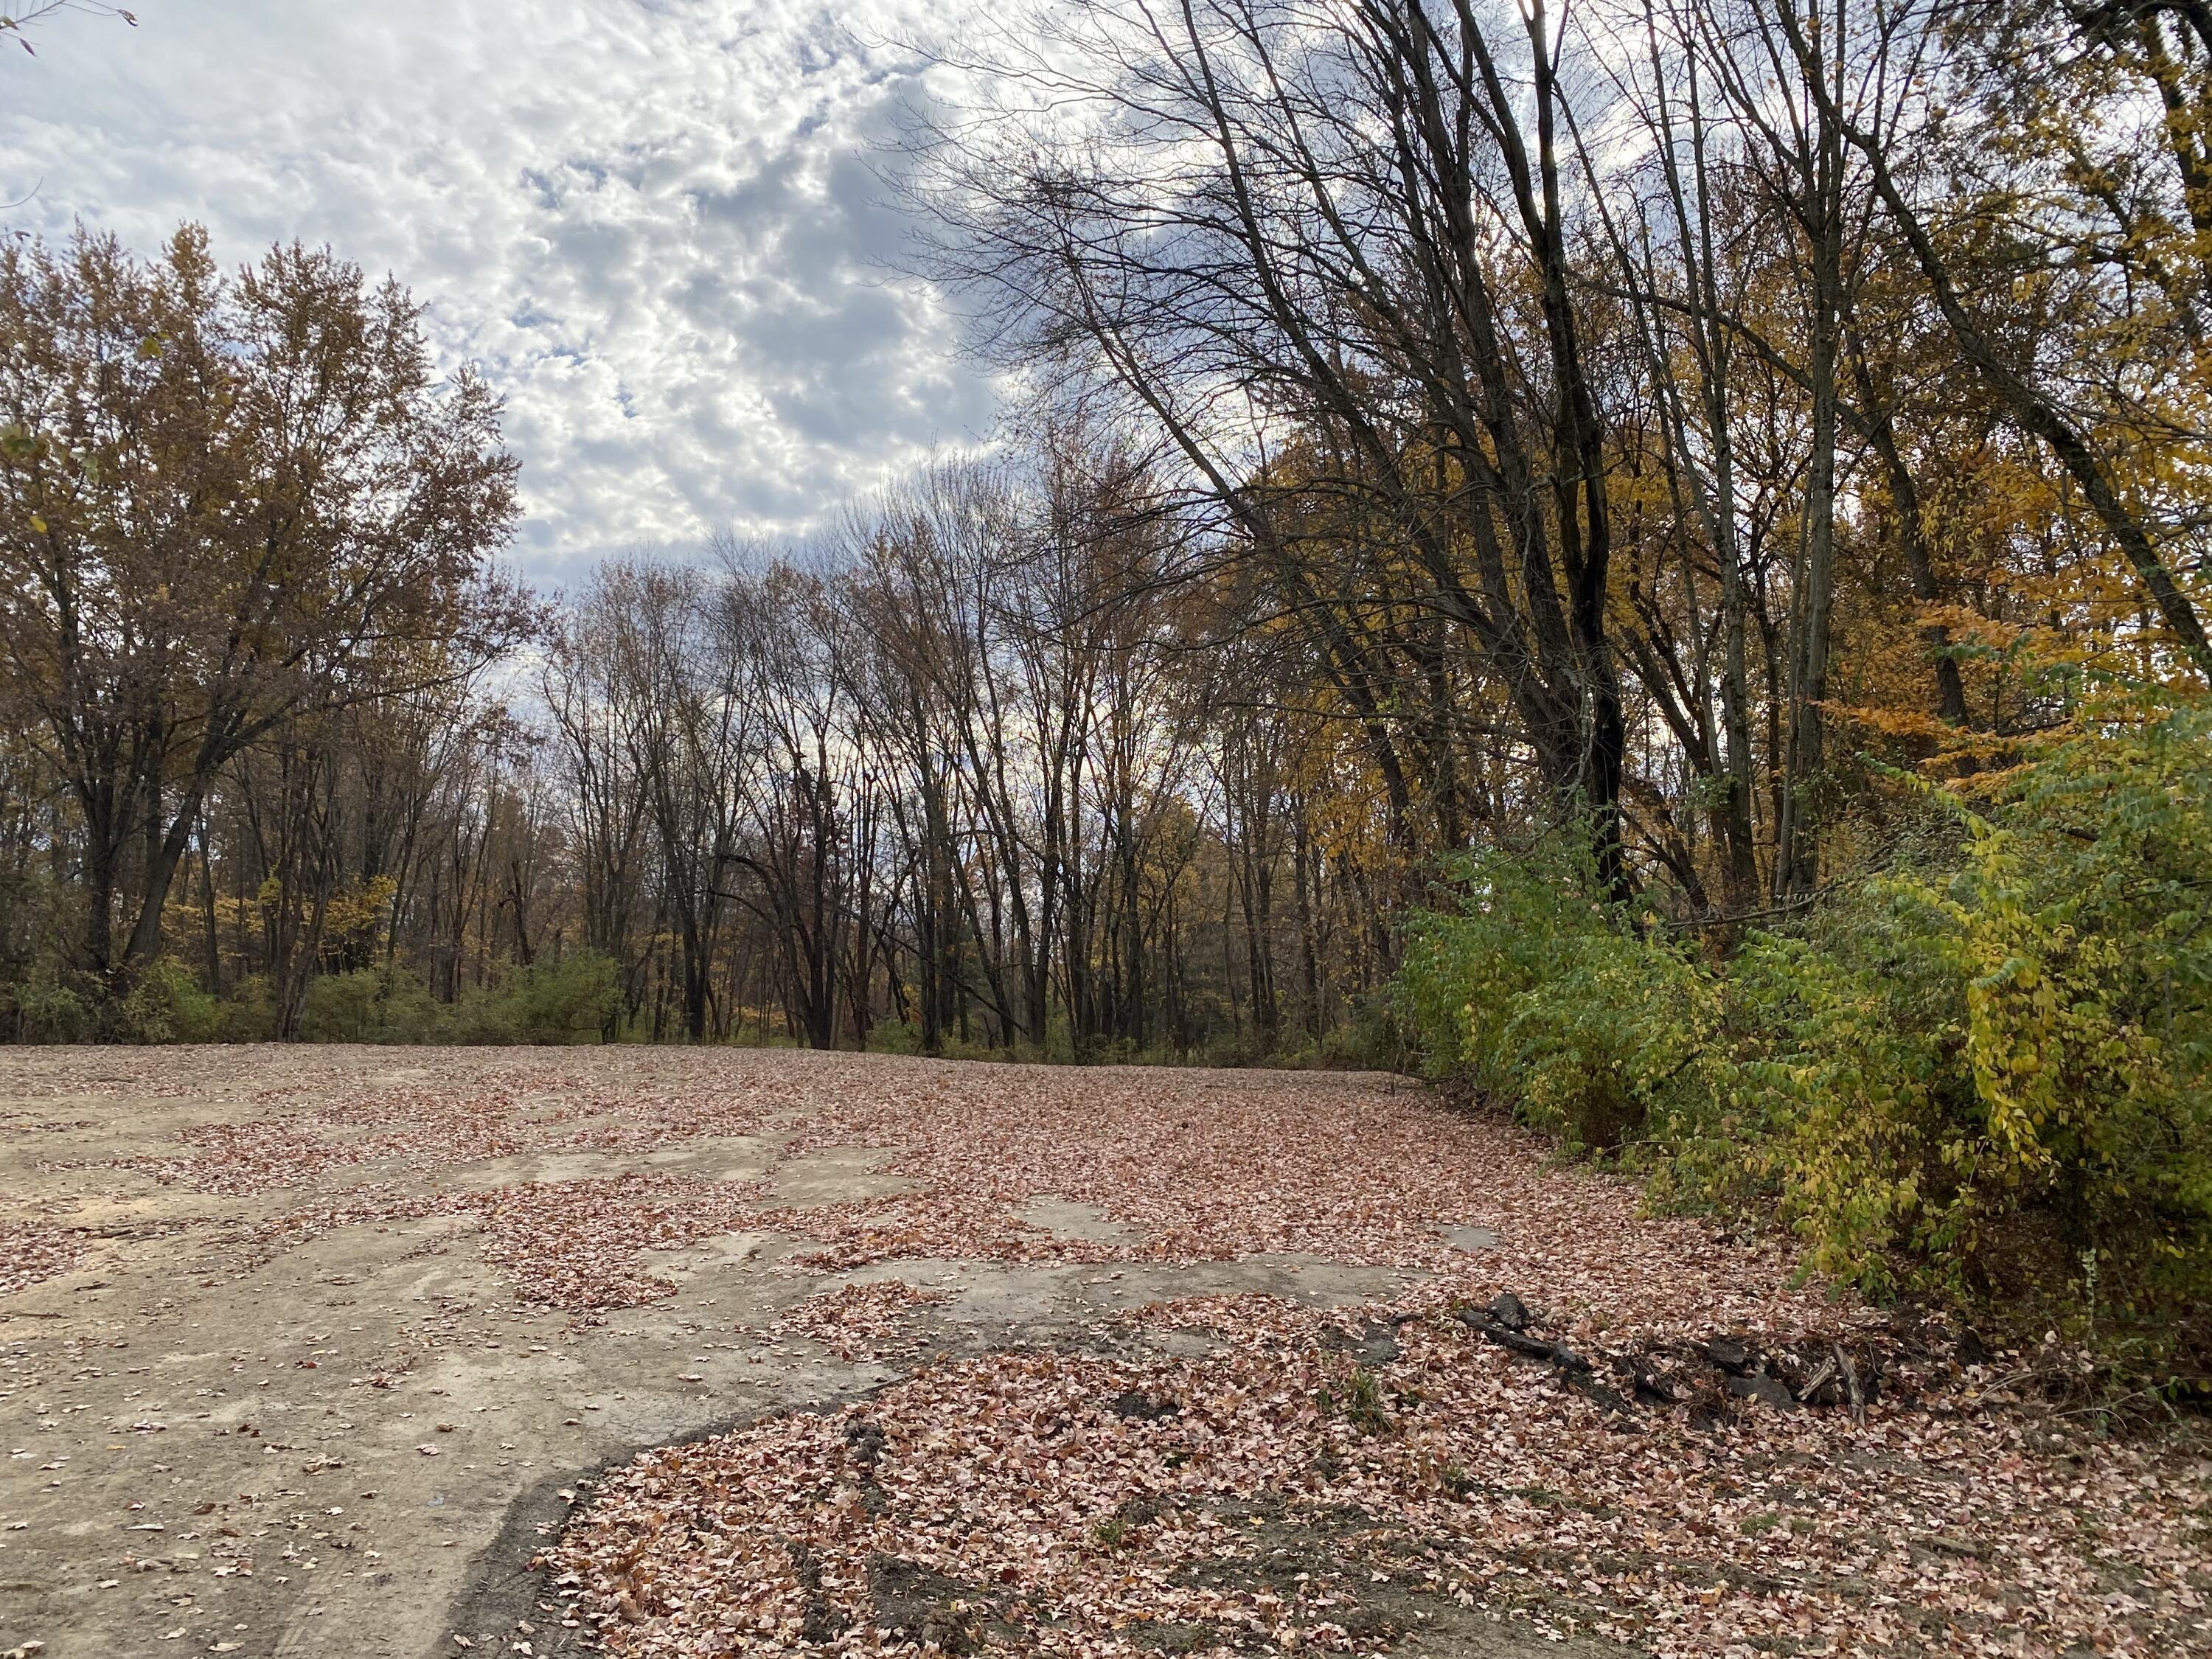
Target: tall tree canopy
[224, 503]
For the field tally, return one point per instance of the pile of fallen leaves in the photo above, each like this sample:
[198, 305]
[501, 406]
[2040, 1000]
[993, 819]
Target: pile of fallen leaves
[1666, 1453]
[478, 1107]
[1217, 1166]
[237, 1160]
[1214, 1166]
[579, 1245]
[945, 1225]
[1307, 1488]
[1314, 1488]
[854, 1321]
[30, 1251]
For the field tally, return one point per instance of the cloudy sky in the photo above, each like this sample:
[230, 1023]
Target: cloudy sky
[653, 223]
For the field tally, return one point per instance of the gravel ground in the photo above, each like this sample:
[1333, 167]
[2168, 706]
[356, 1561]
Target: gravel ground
[393, 1352]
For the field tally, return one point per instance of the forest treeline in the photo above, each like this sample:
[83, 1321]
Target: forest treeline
[1645, 555]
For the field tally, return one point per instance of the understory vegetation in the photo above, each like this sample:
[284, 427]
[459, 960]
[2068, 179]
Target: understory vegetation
[1980, 1067]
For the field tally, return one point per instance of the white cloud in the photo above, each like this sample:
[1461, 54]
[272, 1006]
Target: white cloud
[651, 222]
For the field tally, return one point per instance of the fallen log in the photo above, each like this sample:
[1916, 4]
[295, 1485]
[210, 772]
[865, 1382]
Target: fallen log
[1520, 1342]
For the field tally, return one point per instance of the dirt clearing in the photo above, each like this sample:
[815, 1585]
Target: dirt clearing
[392, 1352]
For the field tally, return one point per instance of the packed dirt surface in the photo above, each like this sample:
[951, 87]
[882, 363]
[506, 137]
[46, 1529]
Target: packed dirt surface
[410, 1351]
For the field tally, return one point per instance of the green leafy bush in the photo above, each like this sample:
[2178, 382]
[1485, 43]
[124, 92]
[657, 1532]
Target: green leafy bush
[248, 1012]
[894, 1037]
[1984, 1072]
[1994, 1080]
[165, 1004]
[574, 999]
[1370, 1041]
[371, 1005]
[1571, 1008]
[47, 1009]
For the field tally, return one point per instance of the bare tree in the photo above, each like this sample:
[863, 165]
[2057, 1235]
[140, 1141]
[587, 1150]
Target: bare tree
[19, 22]
[1351, 221]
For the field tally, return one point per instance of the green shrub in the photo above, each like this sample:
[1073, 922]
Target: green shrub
[248, 1013]
[1841, 1068]
[342, 1007]
[1573, 1010]
[371, 1005]
[1983, 1073]
[894, 1037]
[165, 1004]
[1614, 1037]
[1370, 1041]
[1465, 969]
[1986, 1078]
[574, 999]
[47, 1009]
